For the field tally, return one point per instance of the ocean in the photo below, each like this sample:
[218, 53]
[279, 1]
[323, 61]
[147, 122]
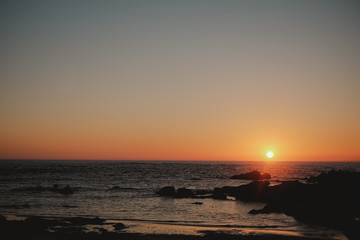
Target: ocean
[125, 191]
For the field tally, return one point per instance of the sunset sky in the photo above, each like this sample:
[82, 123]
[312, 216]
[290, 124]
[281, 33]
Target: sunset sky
[180, 80]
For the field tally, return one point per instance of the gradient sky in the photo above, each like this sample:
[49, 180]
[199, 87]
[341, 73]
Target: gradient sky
[182, 80]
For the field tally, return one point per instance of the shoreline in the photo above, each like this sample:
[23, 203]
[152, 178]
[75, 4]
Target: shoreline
[35, 227]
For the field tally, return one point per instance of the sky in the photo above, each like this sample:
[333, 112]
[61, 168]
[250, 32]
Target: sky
[180, 80]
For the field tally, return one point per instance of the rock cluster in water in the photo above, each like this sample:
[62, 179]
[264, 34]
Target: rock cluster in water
[170, 191]
[331, 199]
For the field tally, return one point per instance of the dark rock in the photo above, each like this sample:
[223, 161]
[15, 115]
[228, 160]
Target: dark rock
[254, 211]
[119, 226]
[197, 203]
[253, 175]
[219, 194]
[334, 176]
[69, 206]
[35, 223]
[202, 192]
[167, 191]
[2, 219]
[253, 191]
[184, 193]
[70, 230]
[332, 200]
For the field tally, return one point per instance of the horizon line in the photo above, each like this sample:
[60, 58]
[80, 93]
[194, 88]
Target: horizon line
[172, 160]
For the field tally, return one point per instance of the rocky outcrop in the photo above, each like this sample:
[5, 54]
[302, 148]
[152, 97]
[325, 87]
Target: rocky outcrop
[331, 199]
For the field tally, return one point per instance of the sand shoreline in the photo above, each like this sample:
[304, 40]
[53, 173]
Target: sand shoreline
[35, 227]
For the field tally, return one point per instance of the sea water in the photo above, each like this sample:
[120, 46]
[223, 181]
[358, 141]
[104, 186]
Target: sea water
[134, 200]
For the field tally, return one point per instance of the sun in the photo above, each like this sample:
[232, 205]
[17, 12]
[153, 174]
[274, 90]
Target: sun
[270, 154]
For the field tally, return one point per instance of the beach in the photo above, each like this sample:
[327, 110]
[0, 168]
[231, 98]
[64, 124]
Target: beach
[96, 228]
[205, 198]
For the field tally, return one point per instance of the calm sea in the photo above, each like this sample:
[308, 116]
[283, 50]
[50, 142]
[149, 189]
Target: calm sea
[134, 201]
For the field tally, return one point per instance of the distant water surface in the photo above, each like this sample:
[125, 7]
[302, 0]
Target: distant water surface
[134, 200]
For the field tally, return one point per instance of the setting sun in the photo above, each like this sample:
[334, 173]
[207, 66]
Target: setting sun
[270, 154]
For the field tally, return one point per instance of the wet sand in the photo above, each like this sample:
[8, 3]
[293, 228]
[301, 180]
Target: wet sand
[95, 228]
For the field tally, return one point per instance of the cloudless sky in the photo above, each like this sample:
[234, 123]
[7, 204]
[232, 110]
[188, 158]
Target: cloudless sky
[182, 80]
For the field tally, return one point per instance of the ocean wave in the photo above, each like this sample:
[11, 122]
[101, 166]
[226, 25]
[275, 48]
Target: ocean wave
[66, 190]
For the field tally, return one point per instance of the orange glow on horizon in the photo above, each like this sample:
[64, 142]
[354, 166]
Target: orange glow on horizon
[110, 142]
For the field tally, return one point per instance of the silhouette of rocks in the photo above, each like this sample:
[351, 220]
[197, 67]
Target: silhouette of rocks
[203, 192]
[69, 206]
[119, 226]
[332, 199]
[167, 191]
[184, 193]
[334, 176]
[219, 193]
[35, 227]
[253, 191]
[41, 223]
[253, 175]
